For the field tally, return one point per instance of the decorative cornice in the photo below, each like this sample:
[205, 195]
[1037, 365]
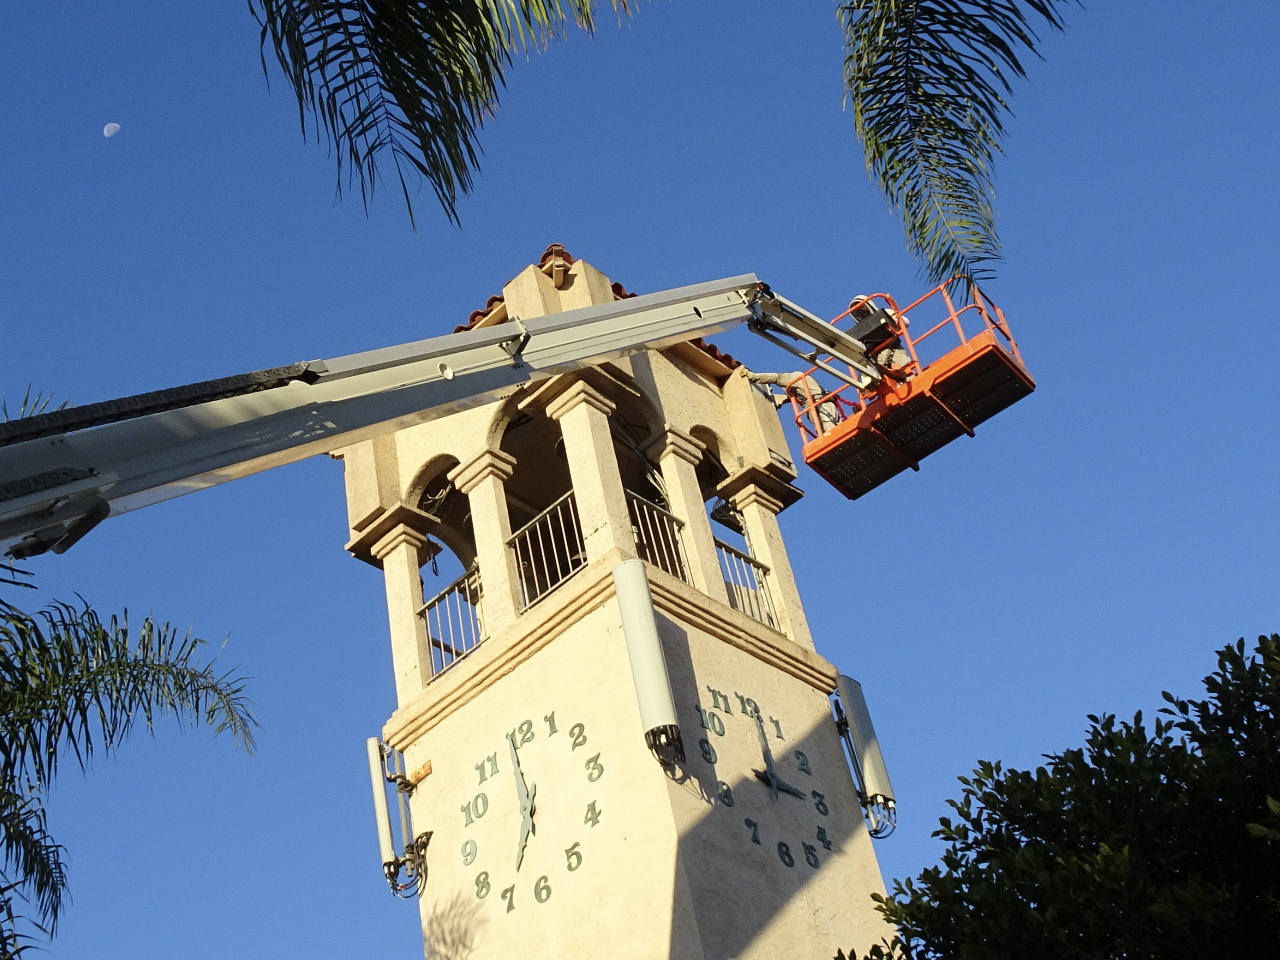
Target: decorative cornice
[589, 589]
[418, 521]
[488, 463]
[756, 485]
[580, 393]
[675, 443]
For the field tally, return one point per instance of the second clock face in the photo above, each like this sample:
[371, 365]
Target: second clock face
[533, 806]
[779, 778]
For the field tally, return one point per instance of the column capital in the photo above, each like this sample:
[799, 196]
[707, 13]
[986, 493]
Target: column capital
[488, 463]
[752, 495]
[400, 535]
[754, 484]
[578, 394]
[363, 547]
[675, 443]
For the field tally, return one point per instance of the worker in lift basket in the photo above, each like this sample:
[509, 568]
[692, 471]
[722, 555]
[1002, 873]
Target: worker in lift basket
[884, 346]
[805, 390]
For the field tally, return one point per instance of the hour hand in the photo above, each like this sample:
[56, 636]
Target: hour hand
[527, 827]
[768, 775]
[528, 805]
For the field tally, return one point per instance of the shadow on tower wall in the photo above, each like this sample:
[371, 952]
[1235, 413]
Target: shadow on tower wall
[795, 873]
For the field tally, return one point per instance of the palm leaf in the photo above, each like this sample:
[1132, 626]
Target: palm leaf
[70, 683]
[928, 80]
[31, 871]
[409, 81]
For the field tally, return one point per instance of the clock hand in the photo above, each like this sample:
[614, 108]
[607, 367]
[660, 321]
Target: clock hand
[527, 803]
[768, 775]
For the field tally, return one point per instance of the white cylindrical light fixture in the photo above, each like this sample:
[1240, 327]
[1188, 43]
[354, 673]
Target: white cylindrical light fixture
[648, 665]
[380, 813]
[870, 761]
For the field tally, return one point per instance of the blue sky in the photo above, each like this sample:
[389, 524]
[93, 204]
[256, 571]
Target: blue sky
[1088, 549]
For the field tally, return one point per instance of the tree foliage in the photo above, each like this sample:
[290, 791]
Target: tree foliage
[929, 82]
[1159, 843]
[409, 81]
[72, 686]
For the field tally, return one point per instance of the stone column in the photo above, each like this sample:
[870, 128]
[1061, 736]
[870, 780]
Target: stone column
[760, 516]
[583, 414]
[483, 480]
[678, 455]
[398, 552]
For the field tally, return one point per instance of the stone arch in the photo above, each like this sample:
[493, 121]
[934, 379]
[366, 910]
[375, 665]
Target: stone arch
[433, 492]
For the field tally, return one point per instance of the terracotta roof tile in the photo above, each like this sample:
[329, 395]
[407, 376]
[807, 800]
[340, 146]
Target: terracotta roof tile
[619, 291]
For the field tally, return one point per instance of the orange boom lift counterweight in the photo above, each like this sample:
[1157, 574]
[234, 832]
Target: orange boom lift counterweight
[869, 430]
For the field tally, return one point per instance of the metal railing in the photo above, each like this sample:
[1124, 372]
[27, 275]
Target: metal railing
[549, 549]
[658, 538]
[455, 623]
[745, 579]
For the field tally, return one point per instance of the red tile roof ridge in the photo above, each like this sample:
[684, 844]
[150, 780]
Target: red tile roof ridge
[619, 291]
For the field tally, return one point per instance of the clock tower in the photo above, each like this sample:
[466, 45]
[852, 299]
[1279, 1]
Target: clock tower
[558, 829]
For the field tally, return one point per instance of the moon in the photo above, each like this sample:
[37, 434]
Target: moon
[110, 130]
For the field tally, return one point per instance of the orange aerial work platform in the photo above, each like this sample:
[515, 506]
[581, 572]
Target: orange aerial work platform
[857, 437]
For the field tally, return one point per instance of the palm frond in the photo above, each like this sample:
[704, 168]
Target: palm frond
[31, 872]
[928, 80]
[410, 81]
[71, 683]
[31, 406]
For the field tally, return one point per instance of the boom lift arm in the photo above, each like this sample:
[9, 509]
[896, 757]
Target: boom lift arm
[62, 473]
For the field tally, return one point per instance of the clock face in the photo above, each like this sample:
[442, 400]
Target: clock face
[778, 797]
[532, 808]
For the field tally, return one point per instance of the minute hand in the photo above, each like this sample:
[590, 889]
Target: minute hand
[526, 797]
[768, 775]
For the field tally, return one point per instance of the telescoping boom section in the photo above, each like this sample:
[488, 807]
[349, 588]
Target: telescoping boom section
[62, 473]
[932, 388]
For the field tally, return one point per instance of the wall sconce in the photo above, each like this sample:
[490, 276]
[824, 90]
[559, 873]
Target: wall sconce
[386, 766]
[648, 665]
[875, 793]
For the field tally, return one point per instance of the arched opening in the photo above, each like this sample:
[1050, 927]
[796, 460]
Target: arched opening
[546, 536]
[745, 577]
[657, 531]
[452, 592]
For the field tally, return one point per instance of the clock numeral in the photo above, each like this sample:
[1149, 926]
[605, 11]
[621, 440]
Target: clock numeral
[525, 734]
[755, 830]
[468, 853]
[804, 763]
[726, 795]
[711, 721]
[595, 770]
[578, 734]
[748, 705]
[718, 700]
[819, 803]
[777, 728]
[784, 854]
[592, 817]
[482, 885]
[509, 895]
[551, 723]
[542, 890]
[573, 857]
[810, 854]
[492, 761]
[823, 838]
[478, 807]
[708, 751]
